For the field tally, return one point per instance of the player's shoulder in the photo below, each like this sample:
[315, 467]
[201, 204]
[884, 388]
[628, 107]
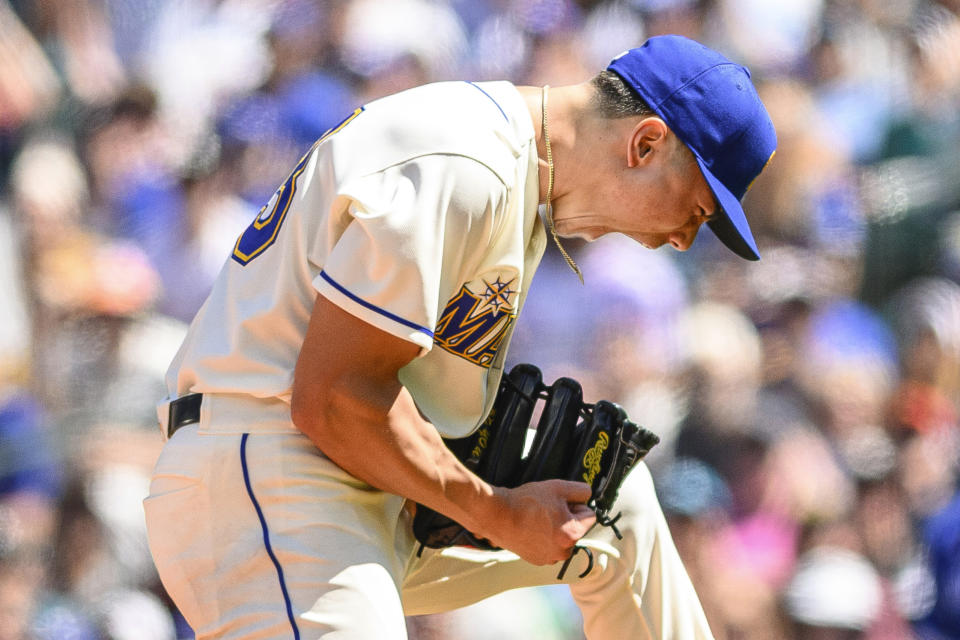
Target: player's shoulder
[486, 122]
[493, 104]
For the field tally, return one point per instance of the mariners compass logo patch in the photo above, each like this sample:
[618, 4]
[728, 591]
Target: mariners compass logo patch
[473, 325]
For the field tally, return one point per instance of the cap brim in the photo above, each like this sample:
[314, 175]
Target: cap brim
[730, 225]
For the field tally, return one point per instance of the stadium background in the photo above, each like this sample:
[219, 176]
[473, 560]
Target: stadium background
[808, 404]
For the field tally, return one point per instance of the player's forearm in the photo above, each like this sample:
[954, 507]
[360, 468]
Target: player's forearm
[391, 447]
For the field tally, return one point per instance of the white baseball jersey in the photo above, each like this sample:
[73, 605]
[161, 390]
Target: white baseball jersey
[417, 214]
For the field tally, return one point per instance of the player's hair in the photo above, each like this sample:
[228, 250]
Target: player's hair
[613, 98]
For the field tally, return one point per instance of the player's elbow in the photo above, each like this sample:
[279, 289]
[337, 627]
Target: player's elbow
[323, 417]
[313, 414]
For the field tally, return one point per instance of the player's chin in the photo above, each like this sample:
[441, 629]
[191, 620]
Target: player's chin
[648, 243]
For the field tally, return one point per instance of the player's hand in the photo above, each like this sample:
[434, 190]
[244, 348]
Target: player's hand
[540, 521]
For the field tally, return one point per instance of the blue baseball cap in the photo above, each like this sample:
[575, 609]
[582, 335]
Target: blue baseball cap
[710, 103]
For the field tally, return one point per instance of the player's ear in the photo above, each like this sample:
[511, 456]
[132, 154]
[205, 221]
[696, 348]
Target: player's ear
[647, 137]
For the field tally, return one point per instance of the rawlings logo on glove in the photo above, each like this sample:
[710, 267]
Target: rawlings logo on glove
[591, 461]
[595, 443]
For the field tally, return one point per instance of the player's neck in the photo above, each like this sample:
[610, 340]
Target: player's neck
[566, 111]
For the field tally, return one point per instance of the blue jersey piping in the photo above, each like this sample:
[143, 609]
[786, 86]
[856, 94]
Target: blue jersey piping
[374, 307]
[502, 112]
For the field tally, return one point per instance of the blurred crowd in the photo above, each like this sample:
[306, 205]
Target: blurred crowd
[807, 404]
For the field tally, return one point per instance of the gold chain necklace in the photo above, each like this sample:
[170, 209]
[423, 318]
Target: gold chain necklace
[553, 230]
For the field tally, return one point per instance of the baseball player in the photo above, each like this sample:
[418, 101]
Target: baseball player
[366, 312]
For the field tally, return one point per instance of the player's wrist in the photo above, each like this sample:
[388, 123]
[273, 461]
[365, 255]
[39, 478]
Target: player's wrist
[483, 510]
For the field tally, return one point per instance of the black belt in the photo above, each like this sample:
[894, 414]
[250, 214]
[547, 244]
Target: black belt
[184, 411]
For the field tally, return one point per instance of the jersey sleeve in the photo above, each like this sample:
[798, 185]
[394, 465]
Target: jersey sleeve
[412, 231]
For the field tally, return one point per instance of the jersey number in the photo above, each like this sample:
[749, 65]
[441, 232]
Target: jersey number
[263, 231]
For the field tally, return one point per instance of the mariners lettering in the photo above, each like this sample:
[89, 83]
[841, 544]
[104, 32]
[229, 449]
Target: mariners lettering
[593, 456]
[473, 326]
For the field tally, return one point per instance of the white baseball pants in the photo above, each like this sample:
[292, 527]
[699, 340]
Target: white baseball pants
[261, 536]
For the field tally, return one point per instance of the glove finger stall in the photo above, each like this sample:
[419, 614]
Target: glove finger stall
[500, 464]
[556, 431]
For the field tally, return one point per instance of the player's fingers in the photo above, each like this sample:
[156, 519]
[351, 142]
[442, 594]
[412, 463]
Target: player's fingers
[582, 519]
[574, 492]
[582, 512]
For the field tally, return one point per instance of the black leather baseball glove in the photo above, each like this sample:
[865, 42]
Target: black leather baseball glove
[592, 443]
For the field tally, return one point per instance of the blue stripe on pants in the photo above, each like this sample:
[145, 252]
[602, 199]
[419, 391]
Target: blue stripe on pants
[266, 537]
